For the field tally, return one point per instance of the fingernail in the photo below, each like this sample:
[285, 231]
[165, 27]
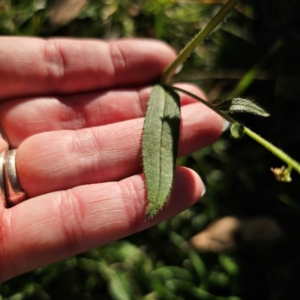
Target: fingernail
[226, 125]
[203, 191]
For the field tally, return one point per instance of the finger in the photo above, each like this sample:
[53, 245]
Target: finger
[62, 224]
[3, 144]
[63, 159]
[33, 66]
[23, 118]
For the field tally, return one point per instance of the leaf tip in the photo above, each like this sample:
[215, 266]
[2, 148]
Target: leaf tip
[152, 211]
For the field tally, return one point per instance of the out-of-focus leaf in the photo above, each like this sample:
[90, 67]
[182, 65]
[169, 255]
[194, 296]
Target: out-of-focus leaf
[237, 130]
[242, 105]
[119, 284]
[219, 278]
[160, 144]
[229, 264]
[169, 272]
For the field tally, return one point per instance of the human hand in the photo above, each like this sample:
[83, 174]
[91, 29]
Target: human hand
[74, 111]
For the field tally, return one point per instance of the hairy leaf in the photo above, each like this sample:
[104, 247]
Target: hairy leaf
[242, 105]
[159, 146]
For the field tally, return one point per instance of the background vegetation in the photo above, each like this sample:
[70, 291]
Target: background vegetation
[260, 39]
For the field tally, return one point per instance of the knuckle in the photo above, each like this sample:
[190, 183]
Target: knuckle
[54, 60]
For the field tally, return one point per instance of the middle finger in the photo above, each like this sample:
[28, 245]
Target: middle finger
[63, 159]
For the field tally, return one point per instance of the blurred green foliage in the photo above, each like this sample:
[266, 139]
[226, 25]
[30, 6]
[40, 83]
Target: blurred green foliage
[159, 263]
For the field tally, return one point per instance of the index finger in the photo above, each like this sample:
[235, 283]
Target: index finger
[34, 66]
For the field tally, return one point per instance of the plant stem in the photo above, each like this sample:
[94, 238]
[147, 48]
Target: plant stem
[212, 107]
[292, 164]
[192, 45]
[249, 77]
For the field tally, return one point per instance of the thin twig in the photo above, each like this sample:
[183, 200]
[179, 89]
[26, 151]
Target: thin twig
[192, 45]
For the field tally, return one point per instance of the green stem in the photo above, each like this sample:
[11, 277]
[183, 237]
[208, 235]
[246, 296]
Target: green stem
[192, 45]
[212, 107]
[292, 164]
[249, 77]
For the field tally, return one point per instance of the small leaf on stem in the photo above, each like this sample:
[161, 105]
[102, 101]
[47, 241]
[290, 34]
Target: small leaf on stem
[237, 130]
[242, 105]
[160, 145]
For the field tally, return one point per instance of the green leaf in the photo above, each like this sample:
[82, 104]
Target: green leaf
[242, 105]
[237, 130]
[160, 145]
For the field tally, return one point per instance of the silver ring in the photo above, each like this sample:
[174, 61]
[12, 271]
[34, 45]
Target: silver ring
[14, 194]
[2, 188]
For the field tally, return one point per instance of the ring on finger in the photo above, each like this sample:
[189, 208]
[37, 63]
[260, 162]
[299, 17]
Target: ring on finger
[11, 192]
